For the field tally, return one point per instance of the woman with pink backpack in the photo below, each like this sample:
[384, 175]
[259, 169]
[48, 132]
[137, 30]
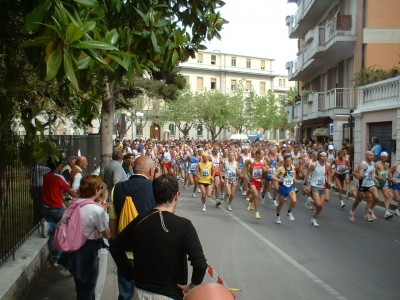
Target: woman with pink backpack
[83, 263]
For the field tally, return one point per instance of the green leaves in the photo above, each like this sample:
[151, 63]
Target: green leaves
[37, 42]
[92, 45]
[37, 15]
[69, 69]
[53, 64]
[88, 3]
[73, 33]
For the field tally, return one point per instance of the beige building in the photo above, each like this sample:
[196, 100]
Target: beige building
[214, 70]
[337, 39]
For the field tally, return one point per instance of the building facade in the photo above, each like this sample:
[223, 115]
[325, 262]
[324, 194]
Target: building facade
[337, 40]
[214, 70]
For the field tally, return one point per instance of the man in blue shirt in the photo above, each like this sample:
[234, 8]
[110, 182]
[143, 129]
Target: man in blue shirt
[376, 148]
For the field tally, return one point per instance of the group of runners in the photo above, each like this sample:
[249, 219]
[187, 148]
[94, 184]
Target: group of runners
[218, 169]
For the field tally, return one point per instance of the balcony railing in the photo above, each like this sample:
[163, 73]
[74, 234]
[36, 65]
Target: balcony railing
[379, 94]
[336, 98]
[339, 25]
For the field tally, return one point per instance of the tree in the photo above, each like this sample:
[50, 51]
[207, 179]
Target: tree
[212, 110]
[178, 112]
[100, 46]
[270, 113]
[241, 107]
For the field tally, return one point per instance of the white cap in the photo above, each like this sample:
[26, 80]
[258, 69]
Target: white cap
[384, 153]
[284, 145]
[330, 147]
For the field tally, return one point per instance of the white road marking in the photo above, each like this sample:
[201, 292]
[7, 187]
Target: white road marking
[294, 263]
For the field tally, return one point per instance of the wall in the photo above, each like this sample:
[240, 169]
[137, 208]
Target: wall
[361, 131]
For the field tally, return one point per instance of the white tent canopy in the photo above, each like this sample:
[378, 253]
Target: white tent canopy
[238, 136]
[322, 131]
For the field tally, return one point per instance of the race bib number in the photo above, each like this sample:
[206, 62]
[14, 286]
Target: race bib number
[272, 171]
[370, 177]
[216, 167]
[296, 163]
[384, 174]
[340, 168]
[193, 166]
[287, 181]
[320, 181]
[166, 159]
[205, 173]
[257, 173]
[231, 174]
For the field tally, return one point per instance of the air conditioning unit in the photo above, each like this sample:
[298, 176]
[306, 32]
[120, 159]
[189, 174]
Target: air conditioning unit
[289, 65]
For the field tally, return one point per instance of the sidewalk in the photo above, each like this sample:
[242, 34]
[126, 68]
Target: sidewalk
[57, 283]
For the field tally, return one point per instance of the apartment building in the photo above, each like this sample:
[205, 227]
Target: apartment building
[214, 70]
[338, 39]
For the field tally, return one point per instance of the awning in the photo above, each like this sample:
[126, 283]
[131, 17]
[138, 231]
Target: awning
[322, 131]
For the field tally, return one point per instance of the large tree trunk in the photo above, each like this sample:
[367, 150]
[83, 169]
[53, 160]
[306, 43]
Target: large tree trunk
[107, 126]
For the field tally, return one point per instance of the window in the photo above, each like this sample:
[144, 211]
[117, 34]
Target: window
[199, 83]
[233, 61]
[200, 58]
[213, 83]
[233, 85]
[281, 82]
[262, 87]
[248, 85]
[213, 59]
[263, 65]
[200, 130]
[248, 63]
[171, 128]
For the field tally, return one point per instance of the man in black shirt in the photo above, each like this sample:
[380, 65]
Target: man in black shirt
[162, 242]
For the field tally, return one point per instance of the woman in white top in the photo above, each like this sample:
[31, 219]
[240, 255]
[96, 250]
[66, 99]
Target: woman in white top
[83, 264]
[319, 181]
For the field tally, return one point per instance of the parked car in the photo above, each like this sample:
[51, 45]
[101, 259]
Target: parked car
[256, 137]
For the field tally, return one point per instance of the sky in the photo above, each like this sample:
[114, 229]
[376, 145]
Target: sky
[257, 28]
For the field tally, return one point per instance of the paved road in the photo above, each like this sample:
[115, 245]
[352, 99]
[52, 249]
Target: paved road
[294, 260]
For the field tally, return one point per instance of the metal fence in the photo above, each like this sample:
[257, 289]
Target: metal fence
[20, 197]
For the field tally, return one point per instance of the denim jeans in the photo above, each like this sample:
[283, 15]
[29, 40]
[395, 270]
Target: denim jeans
[52, 216]
[125, 286]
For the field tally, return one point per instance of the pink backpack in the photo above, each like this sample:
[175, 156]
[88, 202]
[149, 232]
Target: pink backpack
[69, 236]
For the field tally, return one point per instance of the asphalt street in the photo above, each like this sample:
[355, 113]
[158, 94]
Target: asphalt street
[293, 260]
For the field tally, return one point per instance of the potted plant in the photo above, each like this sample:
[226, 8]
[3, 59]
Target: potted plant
[378, 75]
[394, 72]
[306, 95]
[363, 76]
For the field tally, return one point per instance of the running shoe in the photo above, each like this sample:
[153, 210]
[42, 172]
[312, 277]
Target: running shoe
[342, 204]
[184, 186]
[277, 219]
[217, 203]
[198, 190]
[371, 213]
[262, 200]
[194, 195]
[314, 223]
[248, 205]
[308, 203]
[222, 196]
[258, 215]
[368, 218]
[204, 208]
[397, 212]
[251, 206]
[240, 189]
[290, 215]
[243, 193]
[388, 215]
[285, 199]
[269, 196]
[351, 216]
[296, 190]
[274, 202]
[229, 208]
[226, 198]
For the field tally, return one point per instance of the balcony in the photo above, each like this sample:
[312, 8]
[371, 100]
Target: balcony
[325, 104]
[324, 47]
[308, 12]
[380, 95]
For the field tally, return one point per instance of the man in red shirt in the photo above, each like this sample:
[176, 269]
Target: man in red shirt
[52, 202]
